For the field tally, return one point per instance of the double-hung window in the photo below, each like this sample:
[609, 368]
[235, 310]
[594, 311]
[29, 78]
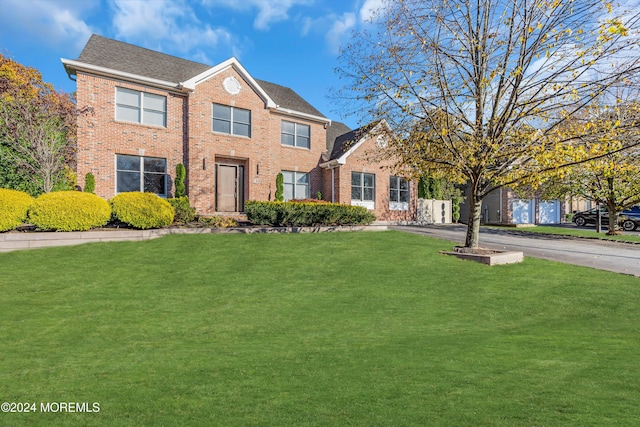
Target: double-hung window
[145, 174]
[398, 193]
[296, 185]
[141, 107]
[231, 120]
[363, 189]
[295, 134]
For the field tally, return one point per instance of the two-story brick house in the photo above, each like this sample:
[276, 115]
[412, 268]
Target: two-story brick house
[233, 133]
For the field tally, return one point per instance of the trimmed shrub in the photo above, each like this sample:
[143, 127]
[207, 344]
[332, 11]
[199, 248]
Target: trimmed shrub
[181, 174]
[455, 209]
[305, 214]
[279, 187]
[14, 206]
[69, 211]
[184, 212]
[142, 210]
[89, 183]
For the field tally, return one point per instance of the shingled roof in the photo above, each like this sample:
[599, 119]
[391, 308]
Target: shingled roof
[341, 139]
[132, 59]
[287, 98]
[124, 57]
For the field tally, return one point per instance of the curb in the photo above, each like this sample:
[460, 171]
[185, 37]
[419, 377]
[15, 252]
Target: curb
[12, 241]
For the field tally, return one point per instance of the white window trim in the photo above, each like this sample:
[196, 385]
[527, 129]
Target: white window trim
[395, 205]
[141, 108]
[295, 135]
[295, 183]
[369, 204]
[231, 121]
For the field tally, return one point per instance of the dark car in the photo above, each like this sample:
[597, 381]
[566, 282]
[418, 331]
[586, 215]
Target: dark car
[629, 219]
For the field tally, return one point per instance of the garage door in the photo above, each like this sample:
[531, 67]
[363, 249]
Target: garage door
[549, 212]
[523, 211]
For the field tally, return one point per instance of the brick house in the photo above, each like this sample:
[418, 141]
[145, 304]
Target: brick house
[232, 132]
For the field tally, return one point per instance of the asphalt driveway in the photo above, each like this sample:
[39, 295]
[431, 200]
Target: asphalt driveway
[618, 257]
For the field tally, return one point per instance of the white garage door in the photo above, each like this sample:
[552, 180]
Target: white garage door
[523, 211]
[549, 212]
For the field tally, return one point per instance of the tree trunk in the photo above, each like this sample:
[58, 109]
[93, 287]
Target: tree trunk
[473, 224]
[612, 209]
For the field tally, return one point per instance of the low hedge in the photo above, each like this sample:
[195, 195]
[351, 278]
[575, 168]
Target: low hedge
[142, 210]
[69, 211]
[14, 206]
[305, 214]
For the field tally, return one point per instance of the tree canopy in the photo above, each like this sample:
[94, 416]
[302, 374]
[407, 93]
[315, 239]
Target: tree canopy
[475, 89]
[37, 130]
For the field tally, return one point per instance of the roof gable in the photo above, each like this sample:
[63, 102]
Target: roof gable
[111, 57]
[345, 144]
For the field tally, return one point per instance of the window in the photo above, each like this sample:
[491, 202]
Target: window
[398, 193]
[295, 134]
[146, 174]
[231, 120]
[141, 107]
[363, 187]
[296, 185]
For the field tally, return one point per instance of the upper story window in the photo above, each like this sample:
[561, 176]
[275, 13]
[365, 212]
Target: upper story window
[141, 107]
[231, 120]
[295, 134]
[296, 185]
[145, 174]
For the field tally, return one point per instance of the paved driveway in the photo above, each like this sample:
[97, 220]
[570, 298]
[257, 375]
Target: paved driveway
[603, 255]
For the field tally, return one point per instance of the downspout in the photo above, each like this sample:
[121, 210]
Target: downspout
[333, 185]
[500, 209]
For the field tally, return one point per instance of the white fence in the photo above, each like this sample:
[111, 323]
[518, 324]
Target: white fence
[431, 211]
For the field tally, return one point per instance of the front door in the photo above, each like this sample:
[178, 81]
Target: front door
[229, 188]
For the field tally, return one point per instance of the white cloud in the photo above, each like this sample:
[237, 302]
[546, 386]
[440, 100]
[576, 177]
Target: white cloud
[370, 9]
[340, 31]
[163, 24]
[56, 23]
[269, 11]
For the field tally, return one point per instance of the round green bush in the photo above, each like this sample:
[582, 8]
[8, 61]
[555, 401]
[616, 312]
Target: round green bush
[14, 206]
[69, 211]
[142, 210]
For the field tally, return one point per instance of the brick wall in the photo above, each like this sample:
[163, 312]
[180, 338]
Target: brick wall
[365, 159]
[101, 137]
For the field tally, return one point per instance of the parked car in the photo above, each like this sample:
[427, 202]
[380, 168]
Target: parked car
[629, 219]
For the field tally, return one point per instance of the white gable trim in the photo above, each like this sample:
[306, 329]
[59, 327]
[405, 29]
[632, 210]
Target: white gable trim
[383, 124]
[73, 66]
[230, 63]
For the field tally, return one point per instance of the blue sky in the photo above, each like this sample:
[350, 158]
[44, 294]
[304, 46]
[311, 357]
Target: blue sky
[294, 43]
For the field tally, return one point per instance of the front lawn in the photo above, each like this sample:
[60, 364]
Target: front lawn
[314, 329]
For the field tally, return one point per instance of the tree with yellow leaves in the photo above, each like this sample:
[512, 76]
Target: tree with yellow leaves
[603, 168]
[475, 89]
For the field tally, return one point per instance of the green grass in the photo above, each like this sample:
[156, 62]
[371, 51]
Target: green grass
[574, 232]
[336, 329]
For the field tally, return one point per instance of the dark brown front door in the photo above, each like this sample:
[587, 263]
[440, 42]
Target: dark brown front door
[229, 188]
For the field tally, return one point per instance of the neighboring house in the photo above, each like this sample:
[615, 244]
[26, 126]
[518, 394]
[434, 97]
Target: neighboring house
[503, 206]
[233, 133]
